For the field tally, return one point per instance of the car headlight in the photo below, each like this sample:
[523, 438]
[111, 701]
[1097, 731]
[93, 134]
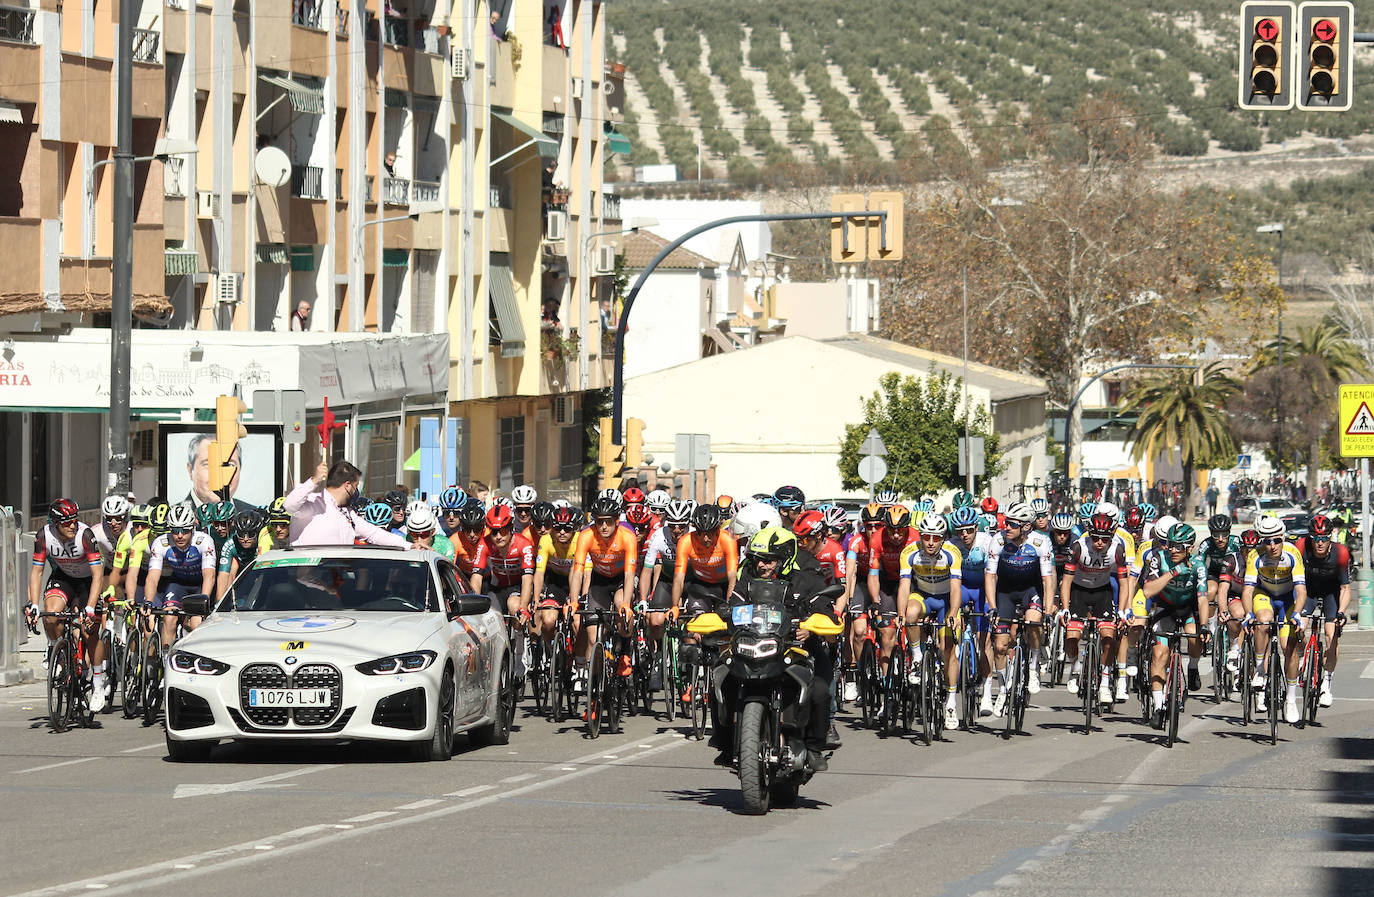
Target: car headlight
[186, 662]
[410, 662]
[765, 647]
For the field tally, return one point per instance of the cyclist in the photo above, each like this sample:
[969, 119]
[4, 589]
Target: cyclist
[603, 579]
[396, 500]
[220, 515]
[837, 523]
[541, 522]
[1096, 558]
[1085, 513]
[450, 501]
[656, 590]
[816, 544]
[639, 520]
[422, 532]
[974, 547]
[706, 566]
[279, 523]
[138, 526]
[1151, 514]
[524, 497]
[1136, 610]
[885, 551]
[1018, 572]
[1041, 509]
[249, 539]
[74, 582]
[1135, 524]
[553, 564]
[1062, 542]
[935, 566]
[509, 564]
[658, 501]
[1328, 582]
[1220, 554]
[135, 581]
[1175, 580]
[886, 497]
[1275, 591]
[993, 519]
[789, 500]
[114, 520]
[470, 552]
[188, 557]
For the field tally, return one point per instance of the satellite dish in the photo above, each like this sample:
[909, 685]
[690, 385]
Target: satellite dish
[272, 166]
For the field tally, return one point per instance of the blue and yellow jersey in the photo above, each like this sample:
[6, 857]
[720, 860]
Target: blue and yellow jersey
[1275, 576]
[931, 574]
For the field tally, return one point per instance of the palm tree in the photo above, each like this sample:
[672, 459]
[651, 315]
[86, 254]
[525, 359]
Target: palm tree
[1183, 412]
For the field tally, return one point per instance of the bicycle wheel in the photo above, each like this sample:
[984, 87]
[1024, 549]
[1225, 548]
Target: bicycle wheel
[1312, 677]
[1058, 659]
[1088, 681]
[667, 671]
[559, 679]
[538, 676]
[968, 682]
[129, 675]
[892, 691]
[1221, 690]
[596, 688]
[1176, 688]
[868, 683]
[700, 705]
[925, 703]
[60, 674]
[934, 674]
[1023, 682]
[111, 668]
[617, 695]
[1273, 666]
[1012, 684]
[1247, 674]
[152, 679]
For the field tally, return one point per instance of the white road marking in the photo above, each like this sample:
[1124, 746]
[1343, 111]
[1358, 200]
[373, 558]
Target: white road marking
[146, 747]
[1368, 671]
[523, 777]
[258, 784]
[54, 765]
[420, 804]
[468, 792]
[368, 817]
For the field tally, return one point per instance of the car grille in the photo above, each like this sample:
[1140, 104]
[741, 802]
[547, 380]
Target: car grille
[269, 675]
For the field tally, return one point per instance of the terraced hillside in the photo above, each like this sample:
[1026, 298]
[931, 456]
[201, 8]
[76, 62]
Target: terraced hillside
[757, 82]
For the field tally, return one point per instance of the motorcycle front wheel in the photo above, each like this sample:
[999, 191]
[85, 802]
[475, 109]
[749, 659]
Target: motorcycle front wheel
[755, 740]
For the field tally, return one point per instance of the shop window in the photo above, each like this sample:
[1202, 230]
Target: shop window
[512, 458]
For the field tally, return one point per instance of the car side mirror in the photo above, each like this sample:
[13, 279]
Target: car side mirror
[469, 606]
[196, 605]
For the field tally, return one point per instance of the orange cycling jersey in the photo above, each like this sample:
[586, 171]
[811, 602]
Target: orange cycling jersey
[465, 552]
[708, 563]
[607, 557]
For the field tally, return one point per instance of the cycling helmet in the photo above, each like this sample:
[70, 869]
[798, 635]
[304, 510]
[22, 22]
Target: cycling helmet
[964, 517]
[634, 496]
[1135, 519]
[639, 515]
[727, 505]
[989, 505]
[204, 515]
[1220, 524]
[1250, 539]
[886, 497]
[1321, 526]
[472, 515]
[872, 513]
[774, 543]
[1018, 512]
[605, 507]
[679, 511]
[378, 514]
[613, 495]
[64, 510]
[396, 499]
[562, 503]
[925, 504]
[1061, 522]
[566, 516]
[248, 523]
[222, 512]
[411, 506]
[499, 517]
[276, 511]
[1149, 510]
[1180, 534]
[789, 497]
[420, 519]
[542, 513]
[1086, 511]
[1269, 526]
[157, 518]
[964, 499]
[658, 501]
[452, 498]
[706, 519]
[524, 496]
[181, 517]
[1101, 524]
[836, 518]
[933, 525]
[114, 506]
[1162, 526]
[809, 524]
[1110, 510]
[1040, 507]
[503, 502]
[896, 517]
[140, 514]
[750, 520]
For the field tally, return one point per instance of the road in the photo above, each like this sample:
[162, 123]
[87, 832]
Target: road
[1054, 812]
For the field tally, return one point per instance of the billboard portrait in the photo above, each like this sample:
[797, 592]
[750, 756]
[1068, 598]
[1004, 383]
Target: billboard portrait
[184, 467]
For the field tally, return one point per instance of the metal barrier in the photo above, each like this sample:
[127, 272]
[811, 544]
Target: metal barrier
[16, 549]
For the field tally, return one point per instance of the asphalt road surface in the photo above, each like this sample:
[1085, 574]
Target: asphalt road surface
[1054, 812]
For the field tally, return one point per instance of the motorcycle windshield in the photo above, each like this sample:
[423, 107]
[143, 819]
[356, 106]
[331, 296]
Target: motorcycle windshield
[764, 615]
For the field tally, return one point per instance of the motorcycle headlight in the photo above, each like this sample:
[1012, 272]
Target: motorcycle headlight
[186, 662]
[410, 662]
[757, 650]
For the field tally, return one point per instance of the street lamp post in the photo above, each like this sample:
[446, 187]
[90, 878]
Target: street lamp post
[1277, 228]
[584, 289]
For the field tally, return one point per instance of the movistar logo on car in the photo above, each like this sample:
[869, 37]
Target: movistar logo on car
[306, 623]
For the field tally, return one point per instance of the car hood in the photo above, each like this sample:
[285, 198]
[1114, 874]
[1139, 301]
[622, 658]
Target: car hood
[346, 637]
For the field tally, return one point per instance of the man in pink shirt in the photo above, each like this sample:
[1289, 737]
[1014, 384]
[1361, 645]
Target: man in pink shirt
[318, 516]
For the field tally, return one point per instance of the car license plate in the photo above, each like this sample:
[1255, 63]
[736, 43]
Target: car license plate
[288, 697]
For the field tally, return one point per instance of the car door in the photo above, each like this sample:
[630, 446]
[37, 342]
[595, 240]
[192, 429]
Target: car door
[464, 647]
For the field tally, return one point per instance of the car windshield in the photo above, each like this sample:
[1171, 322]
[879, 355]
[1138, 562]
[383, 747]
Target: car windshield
[1270, 504]
[306, 583]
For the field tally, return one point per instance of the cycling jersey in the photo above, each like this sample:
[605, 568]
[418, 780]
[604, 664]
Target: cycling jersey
[1325, 576]
[106, 543]
[975, 562]
[508, 567]
[555, 559]
[856, 554]
[1137, 565]
[1018, 566]
[661, 550]
[707, 563]
[1062, 552]
[470, 556]
[439, 543]
[884, 558]
[233, 551]
[1275, 576]
[183, 566]
[1092, 567]
[1215, 559]
[136, 554]
[934, 574]
[70, 558]
[609, 557]
[1187, 589]
[831, 558]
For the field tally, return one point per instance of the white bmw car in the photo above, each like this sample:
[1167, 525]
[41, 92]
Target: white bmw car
[342, 643]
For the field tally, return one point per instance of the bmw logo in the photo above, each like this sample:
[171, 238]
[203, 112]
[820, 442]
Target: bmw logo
[291, 660]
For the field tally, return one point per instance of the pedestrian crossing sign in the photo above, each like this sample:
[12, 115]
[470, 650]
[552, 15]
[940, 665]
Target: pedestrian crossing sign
[1357, 420]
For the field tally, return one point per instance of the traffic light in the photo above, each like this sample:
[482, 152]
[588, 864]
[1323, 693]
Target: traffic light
[885, 236]
[634, 443]
[228, 432]
[1266, 52]
[612, 457]
[1326, 41]
[847, 242]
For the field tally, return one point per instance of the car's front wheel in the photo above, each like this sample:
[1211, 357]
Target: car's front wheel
[440, 744]
[189, 751]
[498, 731]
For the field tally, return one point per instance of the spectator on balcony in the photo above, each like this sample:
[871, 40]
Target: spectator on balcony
[608, 318]
[496, 30]
[555, 23]
[300, 318]
[549, 319]
[389, 163]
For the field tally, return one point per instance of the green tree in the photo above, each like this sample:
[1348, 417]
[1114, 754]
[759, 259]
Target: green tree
[920, 420]
[1186, 414]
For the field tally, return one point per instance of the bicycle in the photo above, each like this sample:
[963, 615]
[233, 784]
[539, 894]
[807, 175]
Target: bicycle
[1272, 666]
[562, 701]
[969, 681]
[643, 662]
[869, 672]
[674, 683]
[1313, 660]
[1057, 659]
[69, 688]
[697, 703]
[895, 715]
[1089, 683]
[1223, 680]
[933, 689]
[1175, 678]
[150, 680]
[1018, 676]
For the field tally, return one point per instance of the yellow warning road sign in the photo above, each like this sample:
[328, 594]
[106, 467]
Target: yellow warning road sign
[1357, 420]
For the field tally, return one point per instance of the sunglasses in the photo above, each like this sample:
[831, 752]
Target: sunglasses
[1275, 540]
[182, 530]
[1321, 540]
[565, 529]
[450, 512]
[1179, 546]
[1099, 538]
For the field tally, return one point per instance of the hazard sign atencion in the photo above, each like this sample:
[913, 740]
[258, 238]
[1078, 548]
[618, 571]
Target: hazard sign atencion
[1357, 420]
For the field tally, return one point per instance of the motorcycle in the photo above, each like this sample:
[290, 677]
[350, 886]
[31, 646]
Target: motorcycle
[767, 673]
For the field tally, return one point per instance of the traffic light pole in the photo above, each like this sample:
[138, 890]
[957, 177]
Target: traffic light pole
[618, 386]
[122, 272]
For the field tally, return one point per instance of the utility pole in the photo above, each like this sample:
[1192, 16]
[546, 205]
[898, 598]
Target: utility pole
[122, 275]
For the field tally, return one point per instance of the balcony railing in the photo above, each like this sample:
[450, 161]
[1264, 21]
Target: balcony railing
[147, 44]
[307, 182]
[340, 20]
[397, 30]
[610, 206]
[16, 24]
[367, 189]
[499, 196]
[424, 192]
[395, 191]
[306, 12]
[172, 171]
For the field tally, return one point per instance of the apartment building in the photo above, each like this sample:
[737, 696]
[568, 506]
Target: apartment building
[383, 163]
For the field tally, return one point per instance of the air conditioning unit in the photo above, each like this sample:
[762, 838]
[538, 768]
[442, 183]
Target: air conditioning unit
[564, 411]
[460, 63]
[577, 88]
[207, 204]
[228, 288]
[555, 226]
[605, 259]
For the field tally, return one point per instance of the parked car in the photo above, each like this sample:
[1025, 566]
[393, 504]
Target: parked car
[1249, 508]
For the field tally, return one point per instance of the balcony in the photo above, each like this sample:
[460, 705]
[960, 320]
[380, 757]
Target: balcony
[396, 191]
[610, 206]
[340, 20]
[498, 196]
[307, 182]
[306, 13]
[16, 24]
[396, 31]
[147, 45]
[173, 176]
[427, 39]
[424, 192]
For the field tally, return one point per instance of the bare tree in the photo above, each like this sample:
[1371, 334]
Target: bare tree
[1354, 304]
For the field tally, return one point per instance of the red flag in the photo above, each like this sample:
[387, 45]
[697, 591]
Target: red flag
[328, 426]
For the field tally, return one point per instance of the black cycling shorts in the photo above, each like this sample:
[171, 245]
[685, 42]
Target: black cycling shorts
[1086, 602]
[75, 590]
[601, 590]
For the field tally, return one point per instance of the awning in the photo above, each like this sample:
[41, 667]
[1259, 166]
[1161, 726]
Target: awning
[9, 113]
[618, 142]
[181, 261]
[272, 254]
[547, 146]
[395, 258]
[505, 313]
[304, 98]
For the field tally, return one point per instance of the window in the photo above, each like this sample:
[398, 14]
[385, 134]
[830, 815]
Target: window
[570, 457]
[512, 460]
